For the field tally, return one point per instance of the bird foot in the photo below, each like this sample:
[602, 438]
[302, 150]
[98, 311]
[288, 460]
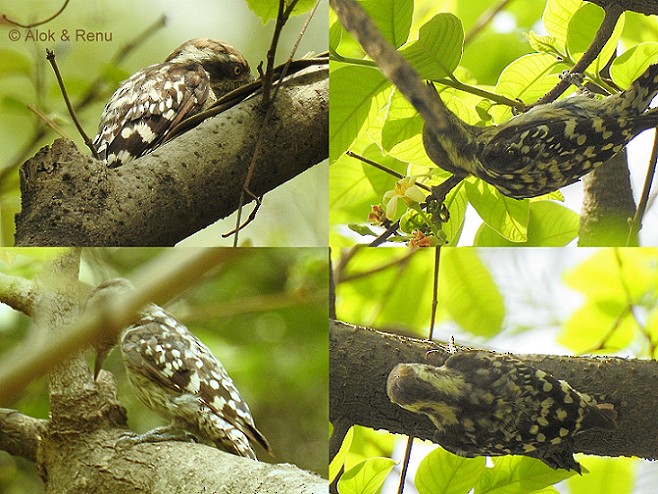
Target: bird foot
[160, 434]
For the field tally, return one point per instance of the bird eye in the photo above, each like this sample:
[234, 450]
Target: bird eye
[237, 70]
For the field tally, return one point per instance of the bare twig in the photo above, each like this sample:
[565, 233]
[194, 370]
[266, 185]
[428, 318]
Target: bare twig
[636, 224]
[50, 55]
[258, 148]
[48, 121]
[612, 14]
[38, 23]
[90, 95]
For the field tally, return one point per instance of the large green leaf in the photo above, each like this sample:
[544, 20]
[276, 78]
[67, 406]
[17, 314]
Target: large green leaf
[367, 477]
[351, 103]
[392, 18]
[442, 472]
[550, 225]
[519, 475]
[468, 291]
[583, 27]
[438, 49]
[509, 217]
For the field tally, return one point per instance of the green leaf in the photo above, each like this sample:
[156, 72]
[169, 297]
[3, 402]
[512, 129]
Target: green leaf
[596, 322]
[527, 78]
[632, 63]
[542, 44]
[367, 477]
[615, 274]
[613, 280]
[519, 475]
[267, 9]
[583, 27]
[402, 123]
[339, 460]
[439, 47]
[442, 472]
[456, 202]
[392, 18]
[550, 225]
[348, 185]
[610, 474]
[468, 292]
[14, 62]
[557, 15]
[351, 103]
[508, 217]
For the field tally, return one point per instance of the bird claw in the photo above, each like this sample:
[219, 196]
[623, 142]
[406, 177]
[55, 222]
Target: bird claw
[160, 434]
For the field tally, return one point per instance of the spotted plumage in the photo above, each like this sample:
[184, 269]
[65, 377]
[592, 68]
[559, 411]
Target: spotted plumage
[176, 375]
[141, 114]
[494, 404]
[550, 146]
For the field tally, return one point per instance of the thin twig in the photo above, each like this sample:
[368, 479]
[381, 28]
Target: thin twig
[384, 236]
[435, 291]
[485, 19]
[252, 216]
[89, 96]
[39, 23]
[383, 168]
[48, 121]
[636, 224]
[405, 464]
[270, 109]
[612, 14]
[50, 55]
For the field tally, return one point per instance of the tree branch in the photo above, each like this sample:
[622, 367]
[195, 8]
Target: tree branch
[20, 433]
[362, 358]
[182, 187]
[608, 205]
[104, 467]
[80, 449]
[647, 7]
[157, 282]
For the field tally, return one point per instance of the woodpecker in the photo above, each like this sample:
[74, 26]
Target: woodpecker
[141, 114]
[173, 373]
[486, 404]
[548, 147]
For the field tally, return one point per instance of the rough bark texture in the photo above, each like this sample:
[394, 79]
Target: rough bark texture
[80, 449]
[97, 464]
[646, 7]
[608, 205]
[68, 198]
[362, 358]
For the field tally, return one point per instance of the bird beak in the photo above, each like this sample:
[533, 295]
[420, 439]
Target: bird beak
[98, 362]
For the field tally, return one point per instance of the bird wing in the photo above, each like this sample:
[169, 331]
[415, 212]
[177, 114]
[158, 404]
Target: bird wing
[146, 107]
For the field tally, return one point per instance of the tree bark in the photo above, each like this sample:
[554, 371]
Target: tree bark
[608, 205]
[187, 184]
[361, 359]
[82, 447]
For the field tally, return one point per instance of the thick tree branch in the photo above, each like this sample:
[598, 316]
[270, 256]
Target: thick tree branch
[20, 433]
[647, 7]
[182, 187]
[18, 293]
[361, 359]
[80, 450]
[157, 283]
[608, 205]
[102, 466]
